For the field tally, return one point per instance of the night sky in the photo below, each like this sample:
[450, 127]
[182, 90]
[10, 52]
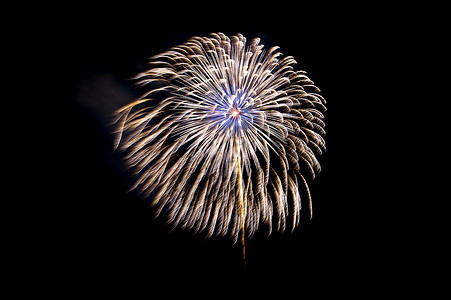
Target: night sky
[103, 236]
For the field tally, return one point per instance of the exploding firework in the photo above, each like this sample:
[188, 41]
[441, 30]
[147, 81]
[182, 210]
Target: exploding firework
[224, 135]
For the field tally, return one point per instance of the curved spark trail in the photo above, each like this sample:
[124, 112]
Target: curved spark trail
[222, 138]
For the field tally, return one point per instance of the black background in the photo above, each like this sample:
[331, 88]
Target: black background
[99, 236]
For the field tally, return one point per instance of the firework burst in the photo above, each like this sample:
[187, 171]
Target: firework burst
[224, 136]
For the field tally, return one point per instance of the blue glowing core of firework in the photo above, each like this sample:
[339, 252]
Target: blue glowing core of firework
[233, 113]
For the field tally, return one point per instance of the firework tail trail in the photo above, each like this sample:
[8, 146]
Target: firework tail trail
[241, 200]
